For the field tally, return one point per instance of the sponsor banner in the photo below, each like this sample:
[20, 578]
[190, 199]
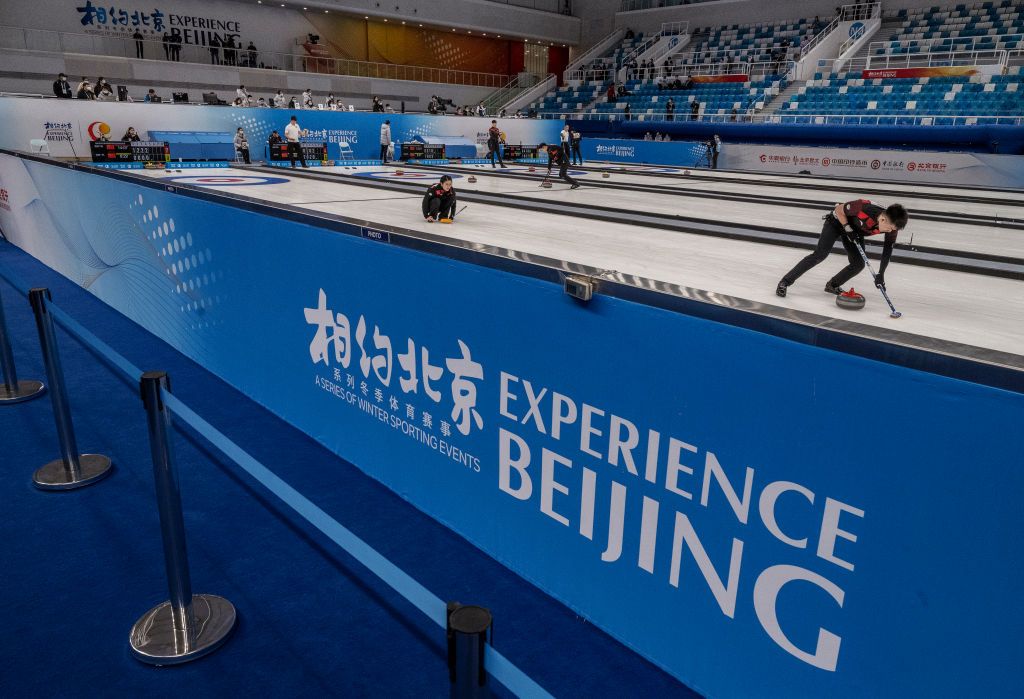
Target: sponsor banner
[951, 71]
[909, 166]
[748, 552]
[731, 78]
[685, 153]
[69, 125]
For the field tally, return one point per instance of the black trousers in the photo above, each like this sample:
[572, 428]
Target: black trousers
[383, 153]
[714, 159]
[563, 172]
[139, 53]
[830, 233]
[576, 154]
[496, 151]
[295, 149]
[245, 155]
[432, 207]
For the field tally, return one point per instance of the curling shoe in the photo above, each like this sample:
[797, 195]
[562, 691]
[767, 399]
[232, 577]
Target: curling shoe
[831, 288]
[780, 290]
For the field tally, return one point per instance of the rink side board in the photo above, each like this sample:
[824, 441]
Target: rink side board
[758, 515]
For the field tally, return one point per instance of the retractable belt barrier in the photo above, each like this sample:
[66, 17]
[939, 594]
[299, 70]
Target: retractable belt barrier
[173, 632]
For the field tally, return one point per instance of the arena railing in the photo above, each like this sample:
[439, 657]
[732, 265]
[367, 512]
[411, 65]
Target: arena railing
[19, 38]
[846, 13]
[937, 59]
[604, 44]
[557, 7]
[936, 45]
[432, 606]
[748, 117]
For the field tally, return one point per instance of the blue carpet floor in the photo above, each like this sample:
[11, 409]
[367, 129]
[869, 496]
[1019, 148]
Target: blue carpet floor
[78, 568]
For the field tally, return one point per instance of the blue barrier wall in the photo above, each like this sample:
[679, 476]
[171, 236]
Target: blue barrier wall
[758, 516]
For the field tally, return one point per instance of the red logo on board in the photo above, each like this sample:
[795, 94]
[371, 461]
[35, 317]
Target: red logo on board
[911, 166]
[825, 162]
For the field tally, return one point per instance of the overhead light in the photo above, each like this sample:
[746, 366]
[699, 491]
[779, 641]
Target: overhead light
[385, 19]
[403, 23]
[485, 33]
[421, 25]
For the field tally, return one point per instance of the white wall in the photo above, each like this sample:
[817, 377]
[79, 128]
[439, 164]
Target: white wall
[597, 20]
[34, 72]
[275, 29]
[727, 12]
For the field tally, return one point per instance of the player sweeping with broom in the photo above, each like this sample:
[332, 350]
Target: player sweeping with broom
[850, 223]
[556, 156]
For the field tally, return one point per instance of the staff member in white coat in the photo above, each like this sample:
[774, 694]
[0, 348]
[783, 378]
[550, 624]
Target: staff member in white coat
[385, 141]
[292, 132]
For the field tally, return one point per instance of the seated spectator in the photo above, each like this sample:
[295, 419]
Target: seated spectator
[307, 99]
[261, 102]
[292, 103]
[275, 137]
[62, 88]
[241, 94]
[388, 108]
[502, 113]
[666, 137]
[278, 100]
[105, 94]
[648, 137]
[131, 135]
[480, 111]
[151, 96]
[331, 102]
[238, 102]
[84, 91]
[101, 82]
[611, 91]
[732, 117]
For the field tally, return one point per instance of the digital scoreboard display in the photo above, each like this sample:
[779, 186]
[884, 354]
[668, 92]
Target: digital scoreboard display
[310, 151]
[422, 151]
[130, 152]
[519, 152]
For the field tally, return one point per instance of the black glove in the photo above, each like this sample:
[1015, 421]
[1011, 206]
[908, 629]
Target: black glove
[880, 281]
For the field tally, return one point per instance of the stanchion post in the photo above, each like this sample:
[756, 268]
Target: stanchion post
[13, 390]
[469, 629]
[72, 470]
[187, 626]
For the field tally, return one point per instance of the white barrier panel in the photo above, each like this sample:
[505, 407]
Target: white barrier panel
[934, 167]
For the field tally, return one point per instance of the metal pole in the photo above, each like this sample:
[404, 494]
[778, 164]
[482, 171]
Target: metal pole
[72, 470]
[468, 633]
[13, 390]
[187, 626]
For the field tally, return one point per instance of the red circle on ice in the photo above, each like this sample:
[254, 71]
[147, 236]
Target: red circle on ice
[219, 180]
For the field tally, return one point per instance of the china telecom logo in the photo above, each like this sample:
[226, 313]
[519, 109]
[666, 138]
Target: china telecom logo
[97, 129]
[764, 158]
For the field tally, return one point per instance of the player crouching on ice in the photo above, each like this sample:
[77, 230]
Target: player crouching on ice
[439, 201]
[850, 222]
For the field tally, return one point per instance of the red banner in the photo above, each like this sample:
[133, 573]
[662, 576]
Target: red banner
[731, 78]
[918, 72]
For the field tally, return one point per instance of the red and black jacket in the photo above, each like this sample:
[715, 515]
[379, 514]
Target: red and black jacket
[436, 191]
[555, 155]
[862, 215]
[493, 137]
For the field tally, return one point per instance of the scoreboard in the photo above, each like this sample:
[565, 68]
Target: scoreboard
[310, 151]
[130, 152]
[422, 151]
[519, 152]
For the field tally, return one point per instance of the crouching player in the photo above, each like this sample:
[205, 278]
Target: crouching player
[439, 201]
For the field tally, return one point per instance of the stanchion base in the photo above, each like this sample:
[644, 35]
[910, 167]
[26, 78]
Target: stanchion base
[53, 476]
[25, 390]
[154, 641]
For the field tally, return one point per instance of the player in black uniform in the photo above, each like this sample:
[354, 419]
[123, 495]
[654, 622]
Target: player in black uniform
[556, 155]
[849, 223]
[494, 143]
[439, 201]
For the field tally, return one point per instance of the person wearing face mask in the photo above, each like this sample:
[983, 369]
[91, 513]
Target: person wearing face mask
[131, 135]
[61, 87]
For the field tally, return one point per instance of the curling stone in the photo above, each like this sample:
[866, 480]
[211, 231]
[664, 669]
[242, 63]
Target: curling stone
[471, 179]
[399, 172]
[850, 300]
[686, 172]
[546, 185]
[605, 175]
[532, 169]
